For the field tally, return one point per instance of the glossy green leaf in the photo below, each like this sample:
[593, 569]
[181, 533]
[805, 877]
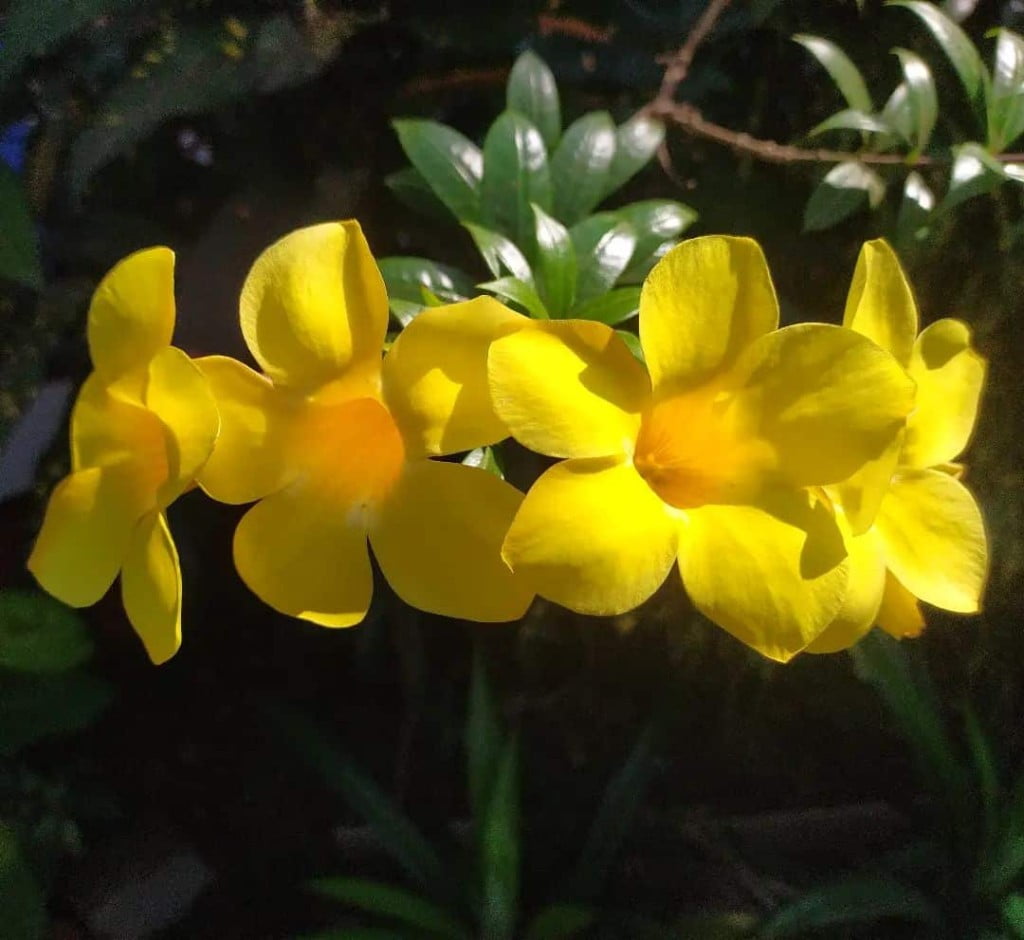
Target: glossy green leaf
[556, 264]
[898, 115]
[600, 266]
[411, 189]
[851, 120]
[961, 52]
[519, 292]
[19, 245]
[921, 94]
[560, 921]
[632, 342]
[22, 906]
[975, 173]
[39, 634]
[533, 93]
[392, 903]
[516, 175]
[579, 167]
[405, 311]
[1006, 102]
[657, 223]
[407, 277]
[844, 190]
[586, 234]
[500, 254]
[483, 739]
[844, 73]
[451, 164]
[486, 458]
[613, 307]
[34, 706]
[636, 142]
[916, 207]
[500, 849]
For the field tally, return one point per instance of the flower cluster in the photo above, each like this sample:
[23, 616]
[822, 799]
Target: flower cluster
[801, 478]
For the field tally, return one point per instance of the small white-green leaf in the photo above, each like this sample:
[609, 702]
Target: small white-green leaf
[897, 113]
[657, 223]
[533, 93]
[519, 292]
[844, 190]
[851, 120]
[613, 307]
[636, 141]
[601, 267]
[486, 459]
[500, 253]
[844, 73]
[579, 168]
[451, 164]
[975, 173]
[1006, 103]
[916, 208]
[924, 102]
[556, 264]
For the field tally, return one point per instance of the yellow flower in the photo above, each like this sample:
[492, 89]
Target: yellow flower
[917, 531]
[336, 444]
[144, 422]
[707, 457]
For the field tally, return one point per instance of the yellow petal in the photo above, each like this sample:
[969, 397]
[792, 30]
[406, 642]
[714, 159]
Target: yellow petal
[900, 614]
[132, 312]
[934, 539]
[435, 377]
[701, 306]
[86, 529]
[949, 376]
[249, 459]
[314, 304]
[181, 397]
[880, 304]
[774, 580]
[438, 540]
[592, 536]
[151, 587]
[825, 399]
[863, 596]
[568, 388]
[862, 494]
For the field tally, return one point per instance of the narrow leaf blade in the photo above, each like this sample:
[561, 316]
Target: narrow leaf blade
[556, 264]
[614, 307]
[579, 167]
[839, 66]
[533, 93]
[636, 142]
[450, 163]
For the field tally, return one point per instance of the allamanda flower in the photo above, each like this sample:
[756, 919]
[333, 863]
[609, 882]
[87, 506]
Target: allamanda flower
[336, 443]
[707, 457]
[919, 532]
[143, 424]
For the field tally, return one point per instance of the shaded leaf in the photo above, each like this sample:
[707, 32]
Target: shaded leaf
[1006, 103]
[499, 859]
[636, 142]
[500, 254]
[579, 167]
[921, 95]
[511, 288]
[600, 268]
[39, 634]
[22, 908]
[1013, 914]
[407, 277]
[556, 264]
[632, 341]
[850, 120]
[975, 173]
[916, 207]
[844, 73]
[612, 308]
[449, 162]
[19, 245]
[411, 189]
[533, 93]
[844, 190]
[558, 921]
[483, 739]
[657, 223]
[37, 706]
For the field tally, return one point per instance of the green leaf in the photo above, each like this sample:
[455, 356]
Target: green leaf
[37, 706]
[411, 189]
[406, 278]
[414, 854]
[515, 176]
[923, 100]
[499, 858]
[557, 921]
[633, 342]
[556, 264]
[39, 634]
[1006, 102]
[975, 173]
[612, 308]
[602, 262]
[533, 93]
[483, 739]
[844, 190]
[724, 926]
[859, 899]
[985, 784]
[518, 292]
[579, 167]
[958, 47]
[364, 933]
[851, 120]
[405, 311]
[1013, 915]
[486, 458]
[19, 245]
[898, 115]
[22, 910]
[392, 903]
[500, 254]
[844, 73]
[916, 208]
[636, 142]
[451, 164]
[658, 223]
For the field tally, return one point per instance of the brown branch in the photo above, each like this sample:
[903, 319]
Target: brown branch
[679, 64]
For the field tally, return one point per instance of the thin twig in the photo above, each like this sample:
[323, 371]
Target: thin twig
[679, 64]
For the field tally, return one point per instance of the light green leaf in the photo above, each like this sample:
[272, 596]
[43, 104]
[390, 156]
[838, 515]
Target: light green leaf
[39, 634]
[632, 341]
[556, 264]
[486, 458]
[519, 292]
[516, 174]
[22, 906]
[898, 115]
[500, 254]
[19, 245]
[1006, 103]
[975, 173]
[924, 102]
[392, 903]
[844, 73]
[559, 921]
[844, 190]
[579, 167]
[406, 278]
[613, 307]
[601, 266]
[405, 311]
[658, 223]
[915, 208]
[850, 120]
[533, 93]
[451, 164]
[411, 189]
[500, 850]
[636, 142]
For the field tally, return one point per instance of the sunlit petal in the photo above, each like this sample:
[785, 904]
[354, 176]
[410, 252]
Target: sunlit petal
[314, 304]
[900, 613]
[568, 388]
[701, 306]
[592, 536]
[151, 587]
[880, 304]
[861, 494]
[435, 376]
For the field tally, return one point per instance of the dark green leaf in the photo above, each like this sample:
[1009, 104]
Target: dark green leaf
[19, 245]
[844, 190]
[915, 208]
[612, 308]
[556, 264]
[921, 95]
[1006, 103]
[844, 73]
[39, 634]
[392, 903]
[558, 921]
[500, 254]
[861, 899]
[728, 926]
[636, 142]
[411, 189]
[22, 910]
[850, 120]
[975, 173]
[515, 176]
[364, 933]
[451, 164]
[36, 706]
[600, 266]
[483, 739]
[1013, 915]
[499, 850]
[486, 458]
[518, 292]
[985, 784]
[533, 93]
[579, 167]
[657, 223]
[407, 277]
